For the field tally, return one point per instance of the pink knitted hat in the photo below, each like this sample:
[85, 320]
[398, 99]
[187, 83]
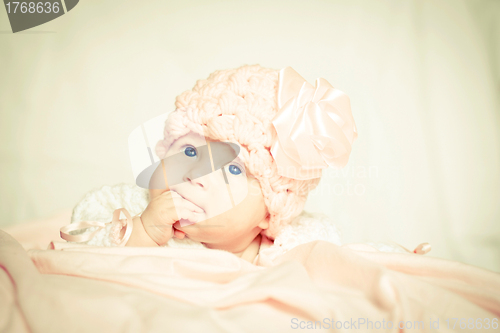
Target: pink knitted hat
[248, 95]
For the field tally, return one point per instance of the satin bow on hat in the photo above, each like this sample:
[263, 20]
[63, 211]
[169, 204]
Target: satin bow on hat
[315, 127]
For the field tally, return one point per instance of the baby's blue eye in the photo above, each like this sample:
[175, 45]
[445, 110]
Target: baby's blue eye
[190, 151]
[234, 169]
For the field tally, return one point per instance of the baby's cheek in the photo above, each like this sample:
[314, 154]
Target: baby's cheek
[239, 189]
[254, 188]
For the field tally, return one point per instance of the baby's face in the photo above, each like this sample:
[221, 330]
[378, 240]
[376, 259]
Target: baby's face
[234, 209]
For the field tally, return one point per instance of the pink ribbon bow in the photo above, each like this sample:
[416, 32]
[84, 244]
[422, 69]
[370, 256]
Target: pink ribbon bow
[114, 232]
[315, 127]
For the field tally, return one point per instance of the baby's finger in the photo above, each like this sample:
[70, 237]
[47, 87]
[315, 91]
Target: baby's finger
[179, 234]
[173, 194]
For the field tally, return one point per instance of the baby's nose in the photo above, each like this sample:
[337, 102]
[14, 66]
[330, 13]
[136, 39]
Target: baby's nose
[197, 181]
[198, 174]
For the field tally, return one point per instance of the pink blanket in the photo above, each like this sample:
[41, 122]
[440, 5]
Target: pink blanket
[317, 285]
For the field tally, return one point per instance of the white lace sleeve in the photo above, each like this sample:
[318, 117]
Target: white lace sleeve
[308, 227]
[99, 205]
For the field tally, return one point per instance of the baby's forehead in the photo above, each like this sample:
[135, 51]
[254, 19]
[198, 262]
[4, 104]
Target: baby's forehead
[193, 138]
[197, 140]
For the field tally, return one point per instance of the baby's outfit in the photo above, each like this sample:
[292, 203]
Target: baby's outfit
[99, 205]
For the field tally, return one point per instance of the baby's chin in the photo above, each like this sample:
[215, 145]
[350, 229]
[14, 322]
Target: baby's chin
[201, 232]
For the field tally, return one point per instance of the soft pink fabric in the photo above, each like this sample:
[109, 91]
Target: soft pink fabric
[116, 229]
[116, 289]
[37, 234]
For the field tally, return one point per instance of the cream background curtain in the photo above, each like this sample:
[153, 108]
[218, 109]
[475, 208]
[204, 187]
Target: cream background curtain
[423, 77]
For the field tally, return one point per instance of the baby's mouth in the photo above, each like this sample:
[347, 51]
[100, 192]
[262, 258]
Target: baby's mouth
[185, 198]
[182, 223]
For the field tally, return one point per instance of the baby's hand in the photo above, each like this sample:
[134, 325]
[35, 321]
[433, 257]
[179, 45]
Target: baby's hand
[161, 214]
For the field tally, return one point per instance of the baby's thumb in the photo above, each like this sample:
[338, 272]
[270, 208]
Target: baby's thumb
[179, 234]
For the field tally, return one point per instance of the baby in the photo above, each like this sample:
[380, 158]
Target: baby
[281, 131]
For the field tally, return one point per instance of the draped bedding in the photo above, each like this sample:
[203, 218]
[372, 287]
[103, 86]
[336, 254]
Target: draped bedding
[65, 287]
